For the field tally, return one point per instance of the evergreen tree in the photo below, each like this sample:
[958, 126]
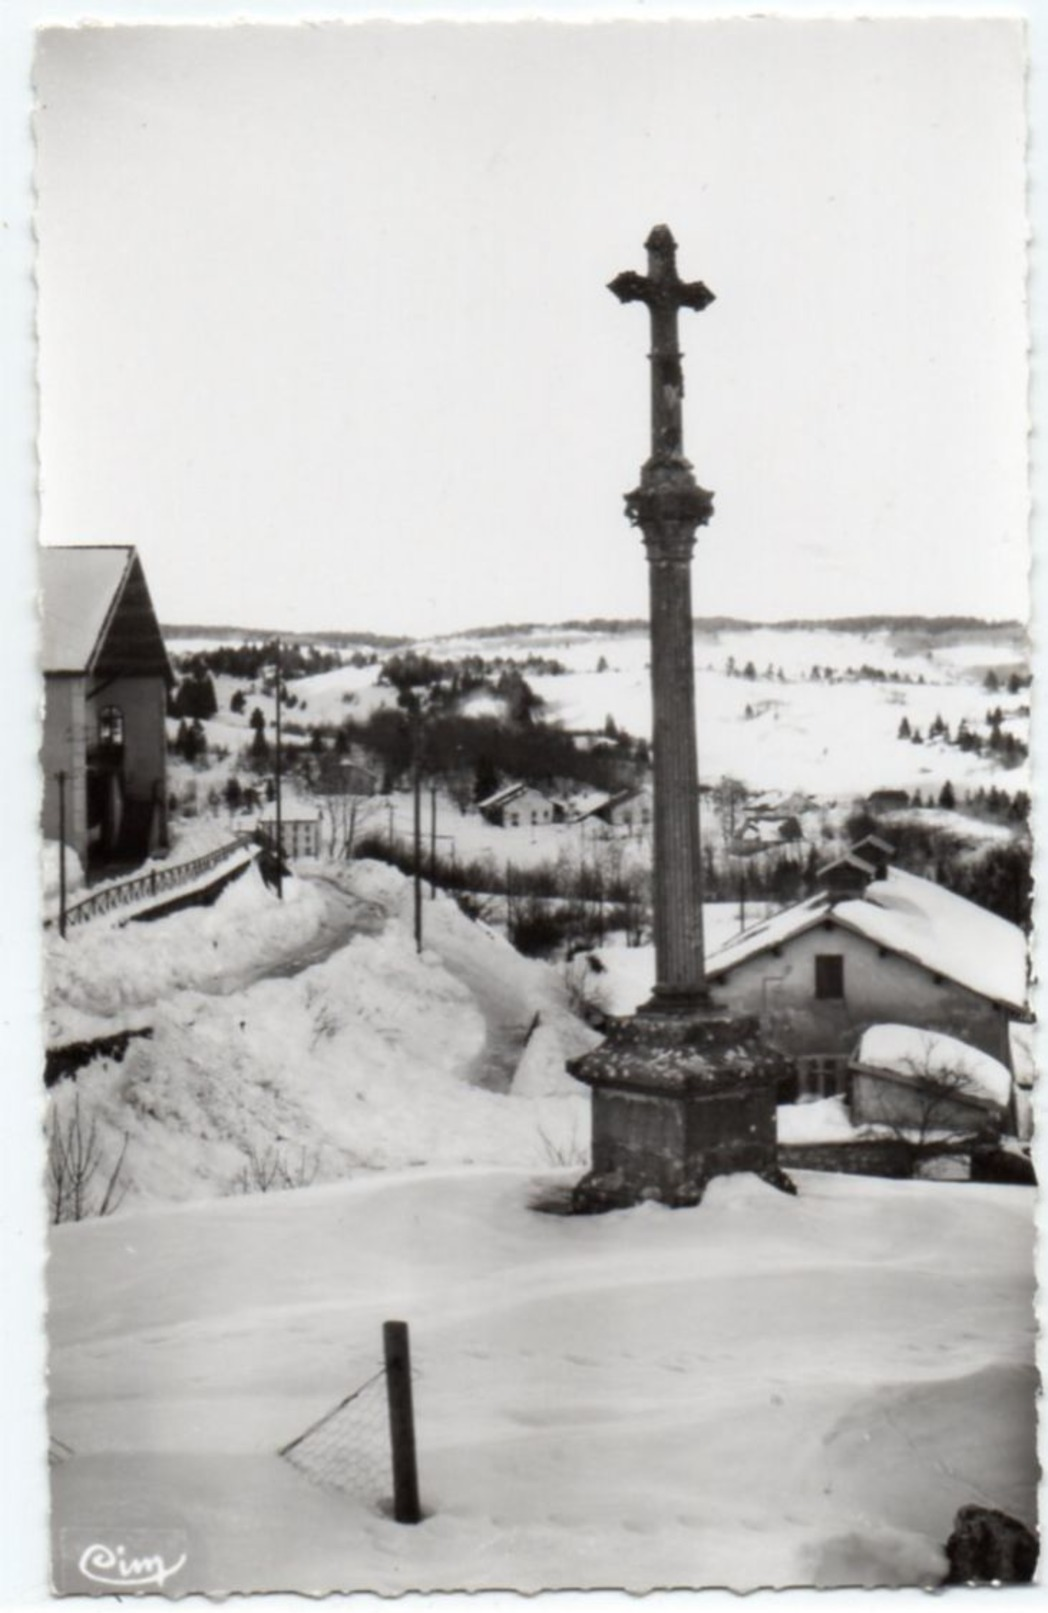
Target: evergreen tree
[947, 798]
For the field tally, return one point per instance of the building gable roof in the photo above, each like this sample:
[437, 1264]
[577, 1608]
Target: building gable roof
[917, 920]
[97, 615]
[501, 797]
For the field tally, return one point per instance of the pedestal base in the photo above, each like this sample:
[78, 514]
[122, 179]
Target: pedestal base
[678, 1099]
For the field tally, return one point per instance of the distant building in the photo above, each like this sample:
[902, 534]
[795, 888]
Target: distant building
[888, 800]
[299, 833]
[106, 681]
[767, 833]
[581, 803]
[627, 809]
[515, 806]
[875, 945]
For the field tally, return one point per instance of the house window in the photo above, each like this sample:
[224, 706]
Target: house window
[829, 975]
[822, 1075]
[111, 726]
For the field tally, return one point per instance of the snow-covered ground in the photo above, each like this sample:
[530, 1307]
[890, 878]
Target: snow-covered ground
[763, 1391]
[312, 1030]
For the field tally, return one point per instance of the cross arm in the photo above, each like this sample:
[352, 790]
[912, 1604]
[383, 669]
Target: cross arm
[631, 287]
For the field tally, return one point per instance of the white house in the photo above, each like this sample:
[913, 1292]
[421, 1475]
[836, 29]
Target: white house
[516, 805]
[875, 945]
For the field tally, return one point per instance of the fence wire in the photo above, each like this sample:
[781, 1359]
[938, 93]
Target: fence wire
[348, 1448]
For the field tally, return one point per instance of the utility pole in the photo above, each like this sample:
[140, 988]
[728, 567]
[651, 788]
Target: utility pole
[416, 790]
[432, 839]
[61, 777]
[277, 782]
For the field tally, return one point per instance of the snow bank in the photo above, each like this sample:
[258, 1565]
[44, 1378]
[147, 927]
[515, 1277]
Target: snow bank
[51, 872]
[822, 1120]
[914, 1054]
[541, 1072]
[307, 1038]
[100, 972]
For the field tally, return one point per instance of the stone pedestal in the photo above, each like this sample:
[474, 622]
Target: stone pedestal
[677, 1099]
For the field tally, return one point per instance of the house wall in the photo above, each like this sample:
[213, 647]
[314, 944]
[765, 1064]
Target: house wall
[143, 703]
[64, 749]
[519, 811]
[879, 1098]
[780, 991]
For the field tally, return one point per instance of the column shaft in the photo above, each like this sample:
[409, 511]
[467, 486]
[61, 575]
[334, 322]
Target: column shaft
[680, 978]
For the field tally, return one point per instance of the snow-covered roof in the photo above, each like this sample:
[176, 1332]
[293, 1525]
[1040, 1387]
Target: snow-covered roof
[910, 1053]
[80, 588]
[507, 792]
[914, 918]
[586, 803]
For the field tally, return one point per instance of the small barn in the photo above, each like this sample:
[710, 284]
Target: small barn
[106, 681]
[925, 1081]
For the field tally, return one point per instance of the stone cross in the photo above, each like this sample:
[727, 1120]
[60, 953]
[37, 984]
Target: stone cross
[664, 292]
[682, 1090]
[668, 506]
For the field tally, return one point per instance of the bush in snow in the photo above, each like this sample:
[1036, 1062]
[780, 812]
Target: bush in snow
[81, 1181]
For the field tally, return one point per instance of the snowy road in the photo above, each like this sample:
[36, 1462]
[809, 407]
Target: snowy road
[342, 916]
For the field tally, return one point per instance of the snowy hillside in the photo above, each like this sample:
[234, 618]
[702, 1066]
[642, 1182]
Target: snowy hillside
[778, 728]
[763, 1391]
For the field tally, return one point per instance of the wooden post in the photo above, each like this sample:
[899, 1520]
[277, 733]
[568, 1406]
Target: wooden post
[416, 790]
[406, 1507]
[277, 770]
[61, 852]
[432, 840]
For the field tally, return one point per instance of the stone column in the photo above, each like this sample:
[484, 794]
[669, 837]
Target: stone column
[680, 981]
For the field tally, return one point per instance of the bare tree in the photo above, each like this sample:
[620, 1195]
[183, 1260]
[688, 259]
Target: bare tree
[271, 1170]
[345, 818]
[932, 1108]
[81, 1182]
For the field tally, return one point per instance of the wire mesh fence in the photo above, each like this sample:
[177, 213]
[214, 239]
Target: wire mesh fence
[365, 1446]
[348, 1448]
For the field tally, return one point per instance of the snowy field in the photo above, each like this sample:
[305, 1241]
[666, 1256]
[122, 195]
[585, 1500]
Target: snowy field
[763, 1391]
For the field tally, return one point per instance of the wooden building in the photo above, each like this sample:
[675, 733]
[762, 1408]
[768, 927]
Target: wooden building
[106, 681]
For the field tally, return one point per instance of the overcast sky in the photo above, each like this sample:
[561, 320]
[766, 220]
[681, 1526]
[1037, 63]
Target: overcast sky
[324, 328]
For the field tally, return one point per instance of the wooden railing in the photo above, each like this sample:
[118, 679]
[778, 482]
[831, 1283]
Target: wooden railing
[157, 882]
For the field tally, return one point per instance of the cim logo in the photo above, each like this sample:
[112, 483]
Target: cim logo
[100, 1561]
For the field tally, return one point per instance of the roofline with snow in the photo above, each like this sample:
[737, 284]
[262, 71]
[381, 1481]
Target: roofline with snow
[830, 915]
